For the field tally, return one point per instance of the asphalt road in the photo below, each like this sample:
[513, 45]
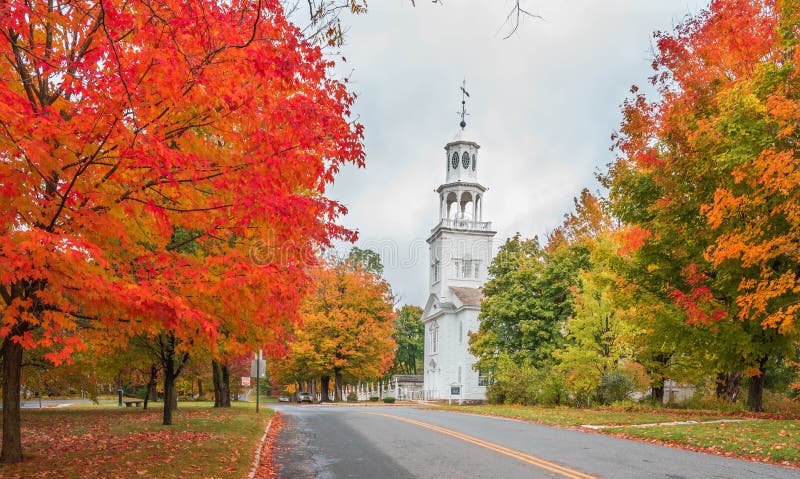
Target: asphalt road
[327, 442]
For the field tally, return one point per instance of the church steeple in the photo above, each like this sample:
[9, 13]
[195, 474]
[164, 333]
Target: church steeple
[460, 254]
[462, 153]
[461, 240]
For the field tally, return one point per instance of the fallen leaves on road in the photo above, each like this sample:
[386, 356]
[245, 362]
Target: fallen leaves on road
[266, 468]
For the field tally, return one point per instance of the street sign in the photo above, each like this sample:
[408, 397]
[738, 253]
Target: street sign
[245, 381]
[262, 369]
[455, 390]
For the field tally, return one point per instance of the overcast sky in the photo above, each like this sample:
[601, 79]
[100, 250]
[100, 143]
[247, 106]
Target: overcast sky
[543, 106]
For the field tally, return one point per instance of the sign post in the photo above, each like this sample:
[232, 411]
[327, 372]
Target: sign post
[258, 370]
[454, 391]
[258, 376]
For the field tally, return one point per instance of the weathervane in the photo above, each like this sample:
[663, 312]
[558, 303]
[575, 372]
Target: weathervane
[464, 96]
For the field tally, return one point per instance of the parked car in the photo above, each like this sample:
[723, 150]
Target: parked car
[283, 398]
[304, 397]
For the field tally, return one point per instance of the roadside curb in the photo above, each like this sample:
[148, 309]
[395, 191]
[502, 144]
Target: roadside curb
[257, 459]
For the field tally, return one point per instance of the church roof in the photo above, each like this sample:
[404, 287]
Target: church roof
[462, 137]
[468, 296]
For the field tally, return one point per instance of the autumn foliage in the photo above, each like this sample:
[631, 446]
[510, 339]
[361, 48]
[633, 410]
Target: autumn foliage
[706, 181]
[346, 329]
[163, 167]
[688, 269]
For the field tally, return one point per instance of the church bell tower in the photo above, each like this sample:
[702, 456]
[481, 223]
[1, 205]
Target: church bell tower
[460, 252]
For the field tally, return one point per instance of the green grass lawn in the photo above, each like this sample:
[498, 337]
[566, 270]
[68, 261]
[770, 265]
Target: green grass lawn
[567, 416]
[110, 442]
[769, 439]
[762, 439]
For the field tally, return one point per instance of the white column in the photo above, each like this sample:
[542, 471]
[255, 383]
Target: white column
[474, 208]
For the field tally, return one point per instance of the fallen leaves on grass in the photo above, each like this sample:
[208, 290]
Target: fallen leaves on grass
[754, 441]
[120, 444]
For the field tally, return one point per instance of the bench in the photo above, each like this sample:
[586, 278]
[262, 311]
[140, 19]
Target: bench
[134, 402]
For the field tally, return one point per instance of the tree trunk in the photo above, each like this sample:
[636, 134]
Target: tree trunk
[12, 434]
[728, 385]
[337, 386]
[225, 400]
[172, 368]
[325, 382]
[200, 388]
[657, 392]
[755, 392]
[216, 378]
[169, 389]
[151, 385]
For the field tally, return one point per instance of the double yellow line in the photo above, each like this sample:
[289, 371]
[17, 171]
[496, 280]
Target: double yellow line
[550, 466]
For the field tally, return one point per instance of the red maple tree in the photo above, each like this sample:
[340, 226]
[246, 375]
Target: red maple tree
[159, 162]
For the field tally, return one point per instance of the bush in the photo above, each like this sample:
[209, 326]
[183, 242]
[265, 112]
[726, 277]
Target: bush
[524, 384]
[781, 403]
[352, 396]
[374, 398]
[388, 400]
[614, 386]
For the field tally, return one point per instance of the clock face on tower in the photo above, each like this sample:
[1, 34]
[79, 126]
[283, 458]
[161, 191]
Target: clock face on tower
[465, 160]
[455, 160]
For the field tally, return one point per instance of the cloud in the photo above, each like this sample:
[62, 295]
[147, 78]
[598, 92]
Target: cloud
[543, 106]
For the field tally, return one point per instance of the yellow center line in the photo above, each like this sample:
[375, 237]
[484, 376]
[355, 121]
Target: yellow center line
[550, 466]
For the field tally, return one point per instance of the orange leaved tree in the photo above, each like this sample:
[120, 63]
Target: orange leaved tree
[707, 181]
[346, 329]
[131, 131]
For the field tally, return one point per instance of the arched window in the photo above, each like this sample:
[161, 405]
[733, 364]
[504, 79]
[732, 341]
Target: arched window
[474, 161]
[452, 205]
[465, 160]
[434, 330]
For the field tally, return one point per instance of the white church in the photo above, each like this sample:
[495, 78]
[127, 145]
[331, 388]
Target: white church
[460, 254]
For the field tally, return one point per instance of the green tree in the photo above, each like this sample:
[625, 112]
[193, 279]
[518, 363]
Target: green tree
[526, 303]
[365, 259]
[409, 334]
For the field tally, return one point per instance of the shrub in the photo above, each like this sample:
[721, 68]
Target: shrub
[614, 386]
[352, 396]
[374, 398]
[781, 403]
[388, 400]
[525, 384]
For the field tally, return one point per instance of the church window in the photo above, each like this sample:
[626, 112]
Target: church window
[466, 269]
[435, 268]
[473, 162]
[434, 330]
[465, 160]
[477, 268]
[455, 160]
[483, 380]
